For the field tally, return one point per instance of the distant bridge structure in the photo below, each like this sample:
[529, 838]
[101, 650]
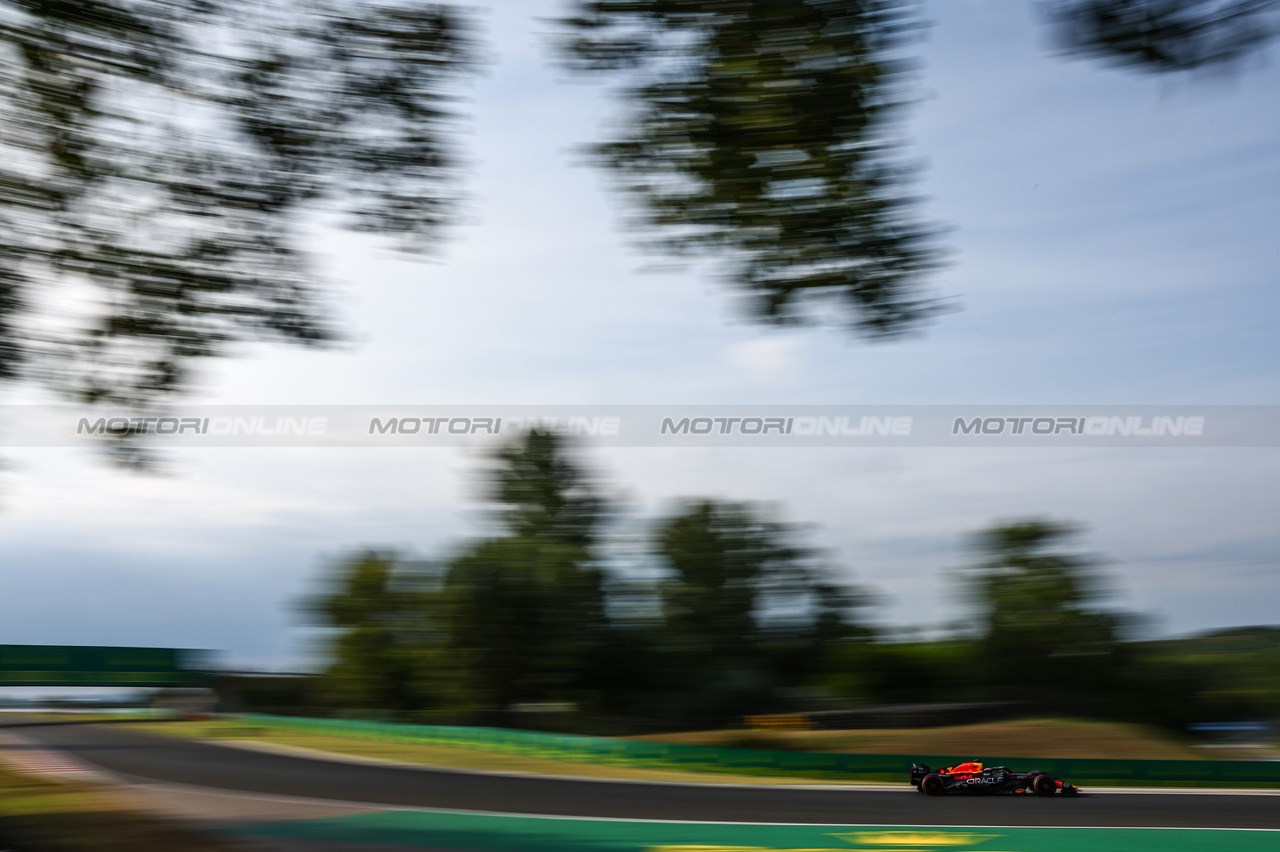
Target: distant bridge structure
[92, 665]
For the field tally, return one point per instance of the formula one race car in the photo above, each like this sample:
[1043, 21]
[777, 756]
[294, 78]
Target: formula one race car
[972, 777]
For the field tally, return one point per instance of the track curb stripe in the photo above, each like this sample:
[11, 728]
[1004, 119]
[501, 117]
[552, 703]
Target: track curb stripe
[28, 757]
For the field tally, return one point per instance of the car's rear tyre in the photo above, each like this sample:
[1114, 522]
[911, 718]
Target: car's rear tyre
[932, 785]
[1044, 785]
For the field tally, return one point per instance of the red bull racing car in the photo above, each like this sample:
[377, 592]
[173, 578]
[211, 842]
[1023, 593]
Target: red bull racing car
[974, 778]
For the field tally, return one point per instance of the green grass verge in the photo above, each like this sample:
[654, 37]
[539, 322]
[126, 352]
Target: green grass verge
[443, 756]
[1029, 738]
[692, 759]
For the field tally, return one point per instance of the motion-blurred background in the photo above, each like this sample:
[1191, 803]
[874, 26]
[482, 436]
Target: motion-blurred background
[795, 201]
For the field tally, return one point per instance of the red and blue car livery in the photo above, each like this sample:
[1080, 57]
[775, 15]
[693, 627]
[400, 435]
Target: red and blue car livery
[973, 778]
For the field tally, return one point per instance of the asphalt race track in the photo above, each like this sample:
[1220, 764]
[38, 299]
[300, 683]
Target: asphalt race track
[145, 757]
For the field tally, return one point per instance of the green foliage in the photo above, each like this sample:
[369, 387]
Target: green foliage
[1161, 36]
[380, 640]
[163, 153]
[511, 620]
[526, 621]
[525, 612]
[287, 695]
[532, 618]
[533, 628]
[1040, 632]
[1236, 672]
[749, 617]
[761, 134]
[544, 493]
[905, 672]
[724, 560]
[158, 158]
[1232, 642]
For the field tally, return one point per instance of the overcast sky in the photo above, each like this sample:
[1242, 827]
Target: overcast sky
[1115, 242]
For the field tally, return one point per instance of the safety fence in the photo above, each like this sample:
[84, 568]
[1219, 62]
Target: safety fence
[782, 764]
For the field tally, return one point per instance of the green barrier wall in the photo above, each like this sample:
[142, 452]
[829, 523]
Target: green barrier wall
[740, 761]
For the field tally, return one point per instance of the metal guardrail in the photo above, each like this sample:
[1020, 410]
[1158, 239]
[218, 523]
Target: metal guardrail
[815, 765]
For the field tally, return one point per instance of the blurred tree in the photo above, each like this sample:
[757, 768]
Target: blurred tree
[747, 611]
[1163, 35]
[519, 618]
[525, 612]
[761, 134]
[721, 557]
[526, 622]
[158, 158]
[1040, 632]
[544, 492]
[1226, 675]
[885, 672]
[375, 656]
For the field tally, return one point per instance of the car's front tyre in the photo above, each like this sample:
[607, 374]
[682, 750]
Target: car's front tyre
[1045, 785]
